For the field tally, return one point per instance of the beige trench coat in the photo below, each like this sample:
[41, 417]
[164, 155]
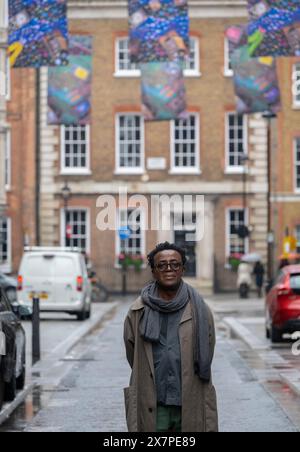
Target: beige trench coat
[199, 403]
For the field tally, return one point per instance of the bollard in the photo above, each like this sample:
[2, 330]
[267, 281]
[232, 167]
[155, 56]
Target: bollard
[36, 343]
[124, 282]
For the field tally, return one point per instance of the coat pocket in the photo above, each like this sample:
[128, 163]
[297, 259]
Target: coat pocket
[131, 408]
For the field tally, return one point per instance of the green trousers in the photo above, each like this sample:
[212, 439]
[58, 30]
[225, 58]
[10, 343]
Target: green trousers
[168, 419]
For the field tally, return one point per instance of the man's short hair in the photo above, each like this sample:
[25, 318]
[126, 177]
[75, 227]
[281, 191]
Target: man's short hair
[165, 247]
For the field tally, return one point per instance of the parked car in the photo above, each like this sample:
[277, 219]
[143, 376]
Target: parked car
[9, 284]
[59, 277]
[13, 357]
[283, 304]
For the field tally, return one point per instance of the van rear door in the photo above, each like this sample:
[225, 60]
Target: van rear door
[65, 274]
[38, 277]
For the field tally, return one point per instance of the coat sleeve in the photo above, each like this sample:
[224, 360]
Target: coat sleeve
[212, 332]
[129, 340]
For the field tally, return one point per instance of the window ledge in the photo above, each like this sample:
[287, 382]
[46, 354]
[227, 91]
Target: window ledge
[228, 73]
[191, 74]
[235, 171]
[296, 107]
[127, 74]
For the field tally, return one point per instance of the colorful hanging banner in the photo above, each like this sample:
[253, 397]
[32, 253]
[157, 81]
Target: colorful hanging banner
[38, 33]
[274, 28]
[69, 87]
[163, 91]
[255, 79]
[159, 30]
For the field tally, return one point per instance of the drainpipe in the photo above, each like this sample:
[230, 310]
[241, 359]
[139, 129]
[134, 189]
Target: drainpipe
[37, 156]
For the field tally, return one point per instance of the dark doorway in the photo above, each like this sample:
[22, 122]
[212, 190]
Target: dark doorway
[190, 248]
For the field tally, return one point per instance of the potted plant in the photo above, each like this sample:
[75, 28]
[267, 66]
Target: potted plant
[234, 261]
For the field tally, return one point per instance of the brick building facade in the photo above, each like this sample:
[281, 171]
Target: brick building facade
[199, 156]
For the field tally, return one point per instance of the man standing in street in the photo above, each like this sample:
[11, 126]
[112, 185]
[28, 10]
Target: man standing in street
[169, 336]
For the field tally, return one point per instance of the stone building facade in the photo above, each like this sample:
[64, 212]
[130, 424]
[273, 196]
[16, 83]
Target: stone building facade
[199, 156]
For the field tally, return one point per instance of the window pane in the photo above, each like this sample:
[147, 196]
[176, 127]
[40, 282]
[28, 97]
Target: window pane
[76, 220]
[130, 141]
[235, 139]
[76, 147]
[185, 143]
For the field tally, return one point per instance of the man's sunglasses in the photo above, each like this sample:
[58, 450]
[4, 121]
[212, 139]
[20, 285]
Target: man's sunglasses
[174, 266]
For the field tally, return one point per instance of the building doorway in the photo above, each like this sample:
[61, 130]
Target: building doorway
[190, 249]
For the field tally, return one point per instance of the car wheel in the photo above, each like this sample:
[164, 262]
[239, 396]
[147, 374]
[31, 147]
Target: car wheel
[81, 316]
[88, 314]
[276, 335]
[21, 379]
[2, 387]
[11, 388]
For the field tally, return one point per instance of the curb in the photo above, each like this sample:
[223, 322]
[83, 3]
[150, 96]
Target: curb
[11, 407]
[245, 335]
[290, 378]
[57, 354]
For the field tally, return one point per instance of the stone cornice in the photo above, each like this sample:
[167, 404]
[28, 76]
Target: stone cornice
[105, 9]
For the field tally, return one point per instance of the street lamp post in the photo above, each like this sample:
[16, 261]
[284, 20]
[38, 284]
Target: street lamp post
[66, 195]
[269, 116]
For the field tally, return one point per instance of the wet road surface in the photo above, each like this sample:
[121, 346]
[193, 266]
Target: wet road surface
[89, 398]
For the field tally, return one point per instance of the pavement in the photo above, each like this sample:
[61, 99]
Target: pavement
[84, 390]
[89, 397]
[59, 334]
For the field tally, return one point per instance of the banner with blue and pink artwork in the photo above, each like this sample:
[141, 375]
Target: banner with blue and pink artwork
[159, 30]
[163, 91]
[274, 28]
[38, 33]
[255, 79]
[70, 87]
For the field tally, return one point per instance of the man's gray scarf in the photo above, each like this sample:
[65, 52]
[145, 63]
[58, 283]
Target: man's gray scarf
[150, 323]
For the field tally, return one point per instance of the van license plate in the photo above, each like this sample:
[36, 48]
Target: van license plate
[41, 296]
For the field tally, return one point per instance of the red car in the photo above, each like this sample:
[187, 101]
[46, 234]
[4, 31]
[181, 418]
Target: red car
[283, 304]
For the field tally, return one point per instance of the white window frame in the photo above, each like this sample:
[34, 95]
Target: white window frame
[227, 238]
[227, 71]
[143, 235]
[185, 170]
[63, 225]
[296, 164]
[296, 85]
[237, 169]
[135, 170]
[4, 14]
[197, 71]
[84, 171]
[136, 73]
[7, 160]
[7, 266]
[127, 73]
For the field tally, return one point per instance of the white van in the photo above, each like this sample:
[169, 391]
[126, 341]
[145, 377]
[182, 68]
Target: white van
[59, 276]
